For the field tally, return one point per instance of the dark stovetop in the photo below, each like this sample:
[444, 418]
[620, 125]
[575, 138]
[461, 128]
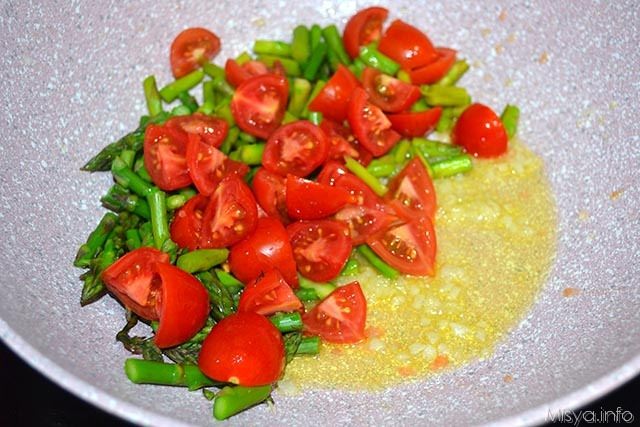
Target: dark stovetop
[30, 399]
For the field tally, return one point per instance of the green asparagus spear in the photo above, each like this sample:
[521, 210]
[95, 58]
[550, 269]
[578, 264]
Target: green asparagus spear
[140, 371]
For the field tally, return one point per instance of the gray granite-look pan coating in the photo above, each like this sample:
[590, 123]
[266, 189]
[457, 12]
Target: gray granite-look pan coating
[71, 74]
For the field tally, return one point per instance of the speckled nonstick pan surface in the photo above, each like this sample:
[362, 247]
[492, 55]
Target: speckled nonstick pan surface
[71, 76]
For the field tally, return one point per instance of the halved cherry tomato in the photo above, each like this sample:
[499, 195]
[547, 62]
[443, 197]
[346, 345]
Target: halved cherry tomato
[296, 148]
[408, 247]
[268, 294]
[313, 200]
[191, 48]
[334, 96]
[231, 214]
[183, 306]
[258, 104]
[267, 248]
[208, 165]
[186, 226]
[480, 131]
[211, 129]
[388, 93]
[320, 248]
[340, 317]
[370, 126]
[413, 189]
[363, 28]
[236, 73]
[407, 45]
[244, 349]
[363, 221]
[270, 191]
[415, 124]
[131, 280]
[165, 150]
[431, 73]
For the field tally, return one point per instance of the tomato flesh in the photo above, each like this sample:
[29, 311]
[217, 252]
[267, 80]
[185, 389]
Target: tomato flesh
[165, 150]
[267, 248]
[333, 99]
[413, 189]
[296, 148]
[431, 73]
[312, 200]
[480, 131]
[415, 124]
[268, 294]
[407, 45]
[388, 93]
[244, 349]
[340, 317]
[186, 226]
[321, 248]
[363, 28]
[211, 129]
[363, 221]
[191, 48]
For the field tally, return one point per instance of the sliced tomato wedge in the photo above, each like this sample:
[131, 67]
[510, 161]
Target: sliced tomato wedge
[409, 247]
[191, 48]
[407, 45]
[211, 129]
[244, 349]
[413, 191]
[388, 93]
[363, 221]
[230, 215]
[259, 103]
[208, 165]
[131, 280]
[480, 131]
[183, 306]
[363, 28]
[236, 73]
[431, 73]
[338, 137]
[415, 124]
[340, 317]
[321, 248]
[165, 150]
[268, 294]
[270, 191]
[369, 124]
[336, 174]
[186, 226]
[312, 200]
[267, 248]
[296, 148]
[334, 96]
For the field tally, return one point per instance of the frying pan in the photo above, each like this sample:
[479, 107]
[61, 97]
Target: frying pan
[71, 78]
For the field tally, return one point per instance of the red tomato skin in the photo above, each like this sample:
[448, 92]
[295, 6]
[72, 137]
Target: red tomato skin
[165, 151]
[323, 318]
[369, 124]
[413, 180]
[205, 43]
[186, 226]
[333, 98]
[183, 307]
[131, 280]
[296, 148]
[415, 124]
[269, 294]
[313, 200]
[244, 349]
[431, 73]
[267, 248]
[363, 28]
[270, 191]
[388, 93]
[480, 131]
[259, 103]
[407, 45]
[231, 214]
[211, 129]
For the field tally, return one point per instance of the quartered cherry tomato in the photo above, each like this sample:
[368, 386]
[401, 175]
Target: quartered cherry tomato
[333, 98]
[415, 124]
[363, 28]
[413, 191]
[431, 73]
[265, 249]
[480, 131]
[407, 45]
[313, 200]
[363, 221]
[270, 191]
[230, 215]
[338, 137]
[191, 48]
[235, 73]
[340, 317]
[321, 248]
[388, 93]
[165, 150]
[370, 126]
[259, 103]
[186, 226]
[244, 349]
[296, 148]
[211, 129]
[268, 294]
[336, 174]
